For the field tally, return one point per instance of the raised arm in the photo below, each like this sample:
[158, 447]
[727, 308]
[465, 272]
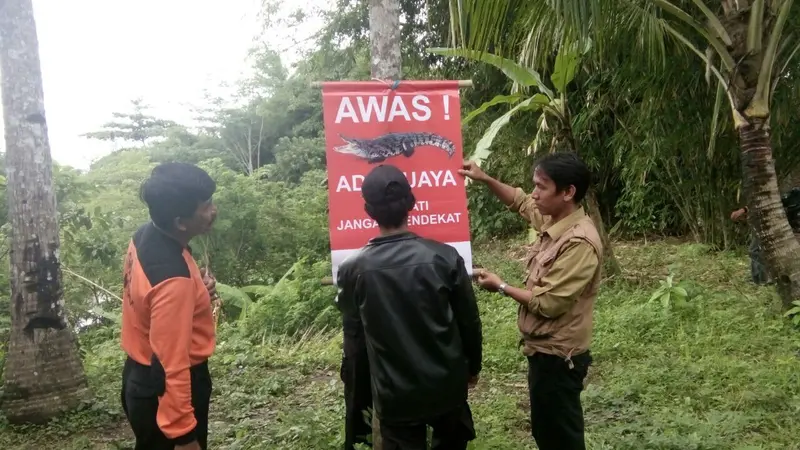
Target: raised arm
[514, 198]
[739, 214]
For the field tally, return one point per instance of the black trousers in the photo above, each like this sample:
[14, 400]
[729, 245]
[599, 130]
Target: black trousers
[451, 431]
[555, 394]
[140, 403]
[355, 375]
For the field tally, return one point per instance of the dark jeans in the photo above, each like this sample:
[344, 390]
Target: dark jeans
[355, 375]
[758, 269]
[451, 431]
[555, 394]
[140, 403]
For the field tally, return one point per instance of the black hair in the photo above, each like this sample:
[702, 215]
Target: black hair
[175, 190]
[393, 211]
[566, 169]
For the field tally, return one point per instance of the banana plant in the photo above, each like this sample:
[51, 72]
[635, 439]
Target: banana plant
[554, 122]
[235, 302]
[551, 104]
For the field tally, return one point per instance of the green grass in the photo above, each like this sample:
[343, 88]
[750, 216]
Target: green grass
[718, 372]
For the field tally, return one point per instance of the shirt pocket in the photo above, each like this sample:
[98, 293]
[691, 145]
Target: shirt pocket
[526, 321]
[530, 259]
[533, 326]
[542, 263]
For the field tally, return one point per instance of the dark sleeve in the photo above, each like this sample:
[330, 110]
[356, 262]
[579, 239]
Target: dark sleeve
[465, 310]
[791, 198]
[345, 301]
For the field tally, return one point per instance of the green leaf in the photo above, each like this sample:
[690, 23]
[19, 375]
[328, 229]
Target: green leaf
[538, 101]
[759, 105]
[755, 27]
[486, 105]
[725, 56]
[587, 46]
[792, 312]
[518, 74]
[482, 147]
[658, 293]
[256, 291]
[714, 22]
[680, 291]
[235, 302]
[113, 316]
[665, 299]
[565, 68]
[712, 142]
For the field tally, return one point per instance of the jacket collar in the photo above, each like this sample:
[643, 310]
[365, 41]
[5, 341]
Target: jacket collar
[405, 235]
[170, 237]
[555, 230]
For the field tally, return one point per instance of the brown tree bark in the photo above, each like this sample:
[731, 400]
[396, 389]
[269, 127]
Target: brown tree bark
[43, 374]
[766, 214]
[611, 266]
[384, 35]
[386, 64]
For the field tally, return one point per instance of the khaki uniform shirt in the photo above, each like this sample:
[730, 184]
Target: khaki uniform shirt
[563, 275]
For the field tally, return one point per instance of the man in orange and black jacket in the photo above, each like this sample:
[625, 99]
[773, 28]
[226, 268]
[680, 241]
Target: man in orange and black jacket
[167, 325]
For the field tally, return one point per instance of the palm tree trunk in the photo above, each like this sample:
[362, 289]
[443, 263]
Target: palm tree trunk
[766, 215]
[611, 266]
[43, 373]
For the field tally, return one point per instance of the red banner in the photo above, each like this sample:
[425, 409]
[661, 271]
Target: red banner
[414, 126]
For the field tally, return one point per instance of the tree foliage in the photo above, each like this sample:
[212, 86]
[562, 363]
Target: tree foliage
[136, 126]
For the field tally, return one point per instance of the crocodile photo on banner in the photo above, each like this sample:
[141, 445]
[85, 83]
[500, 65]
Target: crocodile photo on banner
[412, 125]
[378, 149]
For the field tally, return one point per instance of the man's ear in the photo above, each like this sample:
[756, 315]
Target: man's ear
[178, 224]
[569, 193]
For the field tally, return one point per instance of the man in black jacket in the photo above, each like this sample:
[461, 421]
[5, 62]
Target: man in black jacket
[414, 300]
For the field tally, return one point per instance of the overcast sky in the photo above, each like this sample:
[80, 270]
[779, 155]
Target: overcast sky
[97, 55]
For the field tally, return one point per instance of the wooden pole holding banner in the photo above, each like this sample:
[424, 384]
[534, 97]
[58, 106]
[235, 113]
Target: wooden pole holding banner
[328, 281]
[386, 62]
[461, 84]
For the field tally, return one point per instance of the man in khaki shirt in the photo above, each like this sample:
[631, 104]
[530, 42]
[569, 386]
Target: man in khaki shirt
[557, 301]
